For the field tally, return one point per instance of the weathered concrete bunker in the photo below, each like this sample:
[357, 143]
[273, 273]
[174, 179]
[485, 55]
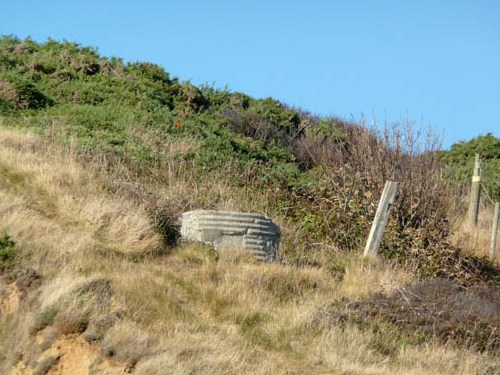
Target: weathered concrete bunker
[226, 229]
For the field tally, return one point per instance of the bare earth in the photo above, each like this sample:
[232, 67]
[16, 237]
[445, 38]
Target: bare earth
[9, 297]
[78, 357]
[71, 354]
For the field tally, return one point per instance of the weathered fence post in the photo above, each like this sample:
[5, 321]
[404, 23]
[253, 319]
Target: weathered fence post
[475, 192]
[381, 218]
[494, 231]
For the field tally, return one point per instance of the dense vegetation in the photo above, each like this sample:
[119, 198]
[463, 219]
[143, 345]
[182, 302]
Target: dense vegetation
[326, 172]
[168, 146]
[461, 155]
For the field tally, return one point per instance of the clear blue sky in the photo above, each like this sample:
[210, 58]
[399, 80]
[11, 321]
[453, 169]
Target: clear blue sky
[434, 62]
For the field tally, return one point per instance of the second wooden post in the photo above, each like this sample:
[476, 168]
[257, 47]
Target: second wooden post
[475, 192]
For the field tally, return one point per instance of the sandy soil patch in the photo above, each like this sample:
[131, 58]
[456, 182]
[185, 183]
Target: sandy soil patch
[9, 297]
[78, 357]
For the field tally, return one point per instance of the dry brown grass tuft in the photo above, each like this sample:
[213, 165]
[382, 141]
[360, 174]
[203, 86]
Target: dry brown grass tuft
[71, 322]
[43, 184]
[127, 343]
[475, 241]
[363, 277]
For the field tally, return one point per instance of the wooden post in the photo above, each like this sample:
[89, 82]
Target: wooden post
[381, 218]
[494, 231]
[475, 192]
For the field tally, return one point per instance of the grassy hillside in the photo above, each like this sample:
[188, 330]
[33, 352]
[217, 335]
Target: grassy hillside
[99, 157]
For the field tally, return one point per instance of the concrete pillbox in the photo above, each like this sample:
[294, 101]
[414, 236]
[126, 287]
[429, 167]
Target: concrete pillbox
[226, 229]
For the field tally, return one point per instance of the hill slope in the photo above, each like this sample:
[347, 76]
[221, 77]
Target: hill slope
[99, 157]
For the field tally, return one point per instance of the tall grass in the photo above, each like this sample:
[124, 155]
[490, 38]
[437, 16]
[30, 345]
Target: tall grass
[476, 241]
[91, 204]
[106, 273]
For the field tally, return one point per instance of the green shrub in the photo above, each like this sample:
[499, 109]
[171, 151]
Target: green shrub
[7, 253]
[460, 160]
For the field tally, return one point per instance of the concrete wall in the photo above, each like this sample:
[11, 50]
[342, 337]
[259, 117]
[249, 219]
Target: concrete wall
[225, 230]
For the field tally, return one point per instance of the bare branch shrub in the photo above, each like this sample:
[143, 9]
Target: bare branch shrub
[367, 157]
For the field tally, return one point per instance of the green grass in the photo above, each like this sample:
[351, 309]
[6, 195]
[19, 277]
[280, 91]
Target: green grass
[8, 253]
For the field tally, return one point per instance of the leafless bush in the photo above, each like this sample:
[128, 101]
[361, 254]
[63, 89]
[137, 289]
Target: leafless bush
[356, 157]
[366, 157]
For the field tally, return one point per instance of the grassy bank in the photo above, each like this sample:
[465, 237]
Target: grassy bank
[99, 157]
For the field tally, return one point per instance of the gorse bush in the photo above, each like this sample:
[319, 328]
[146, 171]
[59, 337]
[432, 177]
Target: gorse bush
[460, 162]
[21, 93]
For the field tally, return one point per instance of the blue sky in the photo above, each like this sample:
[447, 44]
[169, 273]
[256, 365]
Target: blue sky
[436, 63]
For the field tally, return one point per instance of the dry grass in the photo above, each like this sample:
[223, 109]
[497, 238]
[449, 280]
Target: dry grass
[187, 311]
[475, 241]
[363, 278]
